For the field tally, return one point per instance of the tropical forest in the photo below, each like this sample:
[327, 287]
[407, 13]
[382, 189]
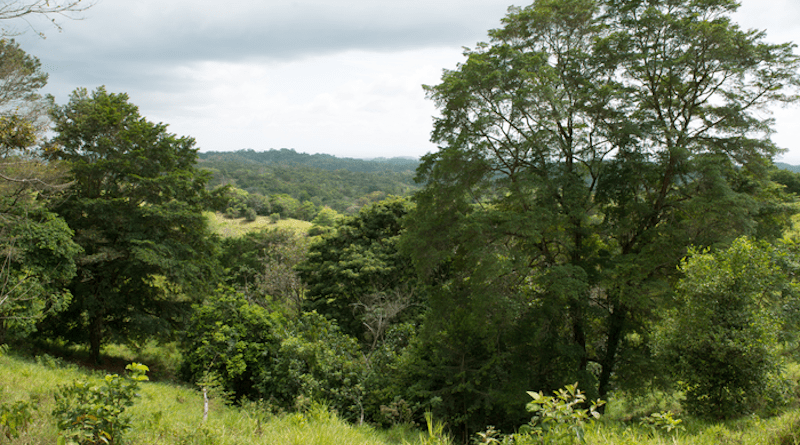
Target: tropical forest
[602, 250]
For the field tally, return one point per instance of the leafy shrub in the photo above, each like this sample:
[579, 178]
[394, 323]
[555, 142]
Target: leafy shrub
[14, 418]
[232, 339]
[259, 355]
[724, 335]
[664, 421]
[436, 434]
[89, 414]
[557, 419]
[319, 362]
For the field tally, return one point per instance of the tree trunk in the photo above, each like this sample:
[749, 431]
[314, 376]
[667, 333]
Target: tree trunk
[578, 333]
[616, 325]
[95, 337]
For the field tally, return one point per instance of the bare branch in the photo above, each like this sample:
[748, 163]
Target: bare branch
[25, 9]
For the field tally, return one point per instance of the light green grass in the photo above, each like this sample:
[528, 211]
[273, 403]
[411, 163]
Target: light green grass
[237, 227]
[778, 430]
[167, 413]
[172, 414]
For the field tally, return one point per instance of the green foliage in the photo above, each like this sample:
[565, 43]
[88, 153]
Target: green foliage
[435, 433]
[558, 419]
[170, 413]
[38, 260]
[664, 421]
[318, 362]
[788, 179]
[23, 72]
[261, 266]
[289, 157]
[135, 205]
[15, 418]
[723, 335]
[37, 255]
[582, 150]
[325, 220]
[234, 340]
[90, 414]
[256, 354]
[358, 264]
[290, 180]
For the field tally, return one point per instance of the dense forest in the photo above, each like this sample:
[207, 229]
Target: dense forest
[297, 185]
[603, 220]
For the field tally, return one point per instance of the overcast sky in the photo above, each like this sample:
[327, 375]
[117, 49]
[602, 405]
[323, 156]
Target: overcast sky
[341, 77]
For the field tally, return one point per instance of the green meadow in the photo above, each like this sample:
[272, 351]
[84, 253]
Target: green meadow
[232, 228]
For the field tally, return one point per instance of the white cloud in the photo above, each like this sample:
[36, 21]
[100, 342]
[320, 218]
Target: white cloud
[353, 104]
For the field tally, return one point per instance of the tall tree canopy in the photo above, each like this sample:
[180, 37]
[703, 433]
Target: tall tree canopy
[36, 247]
[355, 269]
[581, 151]
[135, 206]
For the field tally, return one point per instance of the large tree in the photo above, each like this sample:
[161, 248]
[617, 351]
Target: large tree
[580, 152]
[354, 272]
[35, 246]
[135, 206]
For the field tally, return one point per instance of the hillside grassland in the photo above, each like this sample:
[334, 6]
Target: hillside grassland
[167, 413]
[232, 228]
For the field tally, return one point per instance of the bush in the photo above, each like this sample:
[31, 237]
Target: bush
[259, 355]
[558, 419]
[231, 339]
[14, 418]
[319, 362]
[723, 337]
[89, 414]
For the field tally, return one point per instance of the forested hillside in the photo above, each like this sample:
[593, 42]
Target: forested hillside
[790, 167]
[289, 157]
[343, 184]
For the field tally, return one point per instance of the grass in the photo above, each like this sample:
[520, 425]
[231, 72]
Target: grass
[779, 430]
[239, 226]
[170, 413]
[166, 413]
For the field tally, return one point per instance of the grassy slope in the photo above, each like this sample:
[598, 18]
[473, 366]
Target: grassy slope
[237, 227]
[168, 413]
[171, 414]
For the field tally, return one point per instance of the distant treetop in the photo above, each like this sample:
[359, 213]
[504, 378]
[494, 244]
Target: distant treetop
[286, 156]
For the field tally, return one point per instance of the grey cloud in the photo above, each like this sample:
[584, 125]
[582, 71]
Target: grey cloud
[272, 29]
[133, 42]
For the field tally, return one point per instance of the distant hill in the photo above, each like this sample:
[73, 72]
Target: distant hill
[785, 166]
[344, 184]
[289, 157]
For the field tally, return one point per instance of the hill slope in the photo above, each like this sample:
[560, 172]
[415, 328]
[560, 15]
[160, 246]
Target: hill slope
[339, 183]
[170, 414]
